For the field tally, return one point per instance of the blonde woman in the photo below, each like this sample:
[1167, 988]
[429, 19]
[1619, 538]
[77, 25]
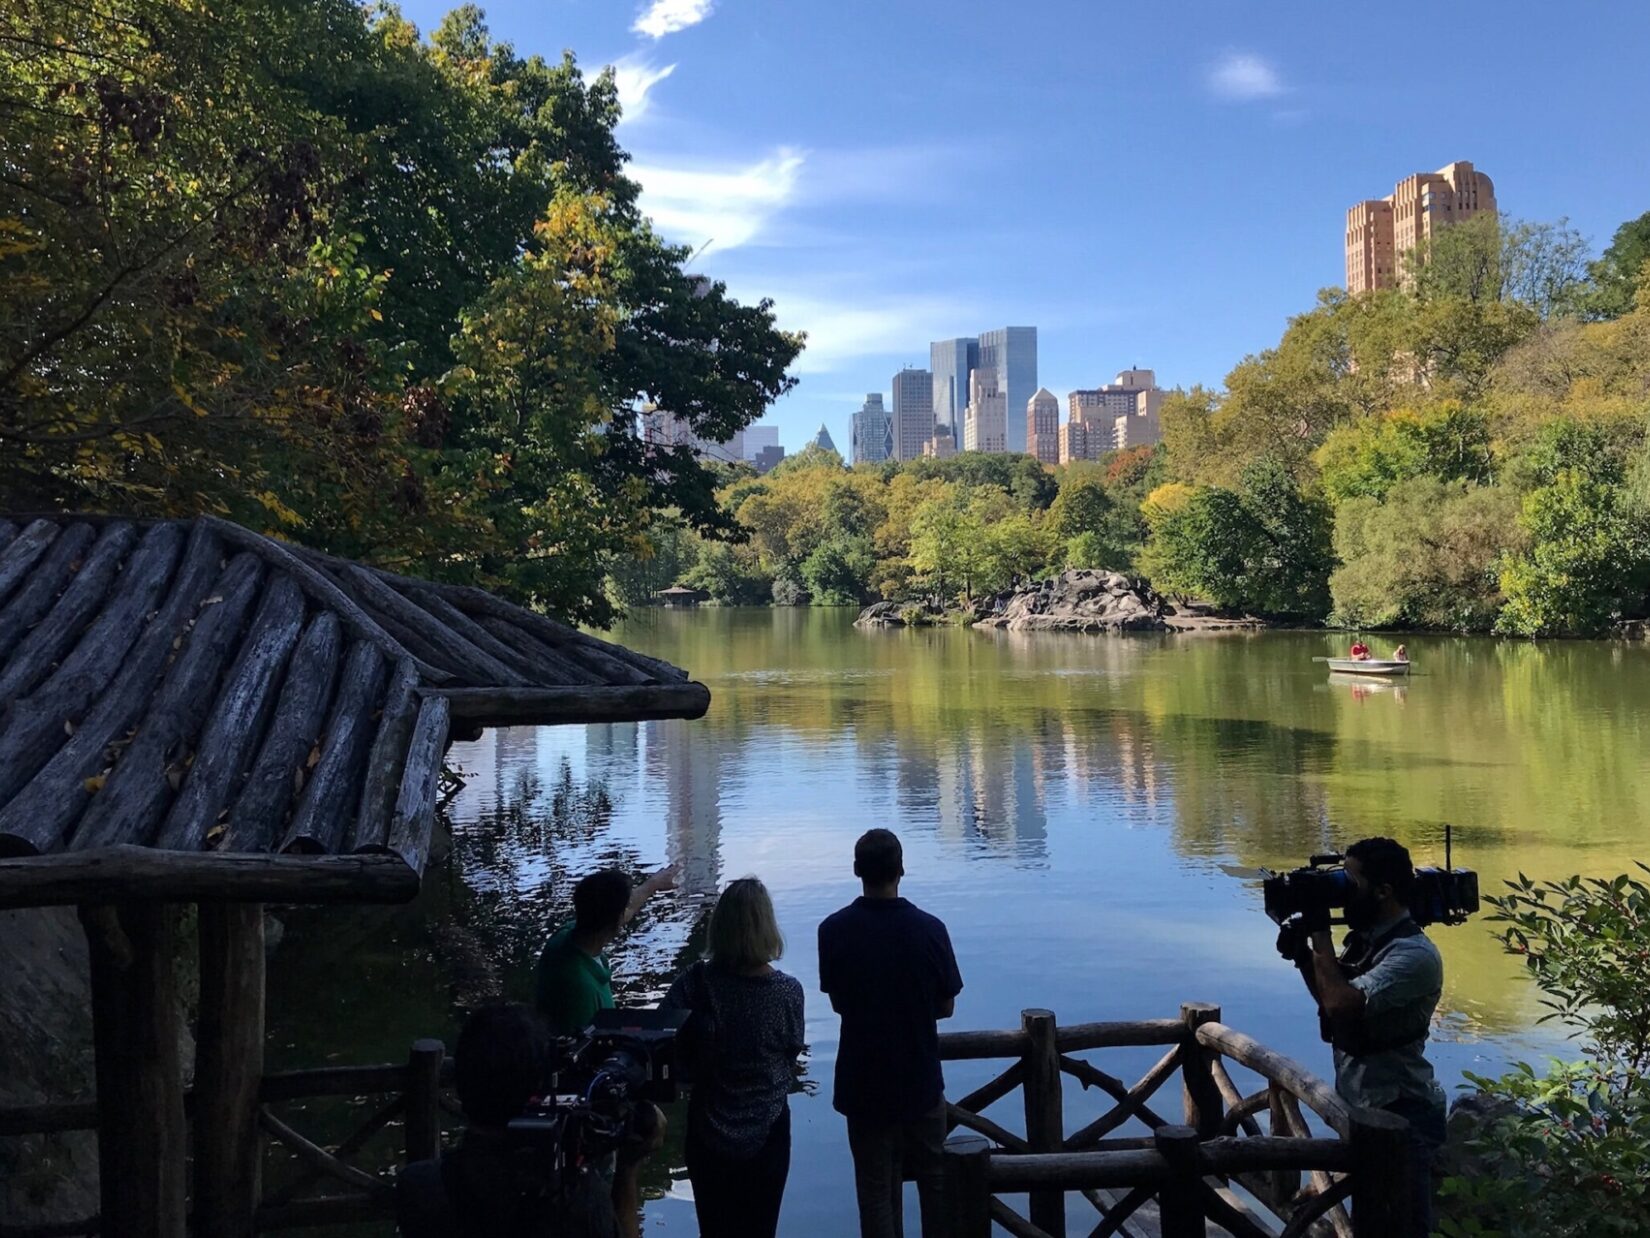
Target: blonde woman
[744, 1039]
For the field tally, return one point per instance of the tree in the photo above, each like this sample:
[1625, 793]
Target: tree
[838, 572]
[730, 574]
[1425, 554]
[1492, 258]
[1620, 271]
[1588, 563]
[1369, 457]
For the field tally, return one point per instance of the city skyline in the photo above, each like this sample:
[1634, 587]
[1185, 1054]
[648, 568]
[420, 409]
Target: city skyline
[865, 216]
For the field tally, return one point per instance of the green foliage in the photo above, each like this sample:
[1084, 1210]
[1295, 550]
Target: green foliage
[1369, 457]
[838, 572]
[1567, 1152]
[1427, 556]
[731, 575]
[666, 555]
[1588, 563]
[1621, 273]
[394, 298]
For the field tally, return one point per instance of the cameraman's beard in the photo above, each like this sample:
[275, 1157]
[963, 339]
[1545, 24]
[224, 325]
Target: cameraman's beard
[1361, 912]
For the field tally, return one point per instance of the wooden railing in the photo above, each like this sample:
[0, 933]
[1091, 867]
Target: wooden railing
[412, 1094]
[1213, 1163]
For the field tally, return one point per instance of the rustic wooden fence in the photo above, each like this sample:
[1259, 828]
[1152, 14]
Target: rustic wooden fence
[327, 1188]
[1290, 1182]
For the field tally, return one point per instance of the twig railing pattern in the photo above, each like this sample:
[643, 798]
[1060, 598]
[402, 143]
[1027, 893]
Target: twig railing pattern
[1292, 1181]
[413, 1095]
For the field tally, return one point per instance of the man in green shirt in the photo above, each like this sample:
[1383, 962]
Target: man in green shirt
[575, 978]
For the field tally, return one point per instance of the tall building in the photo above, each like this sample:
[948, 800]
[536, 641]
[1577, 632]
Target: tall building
[942, 446]
[1382, 231]
[1122, 414]
[985, 424]
[666, 429]
[949, 363]
[823, 439]
[913, 412]
[873, 431]
[768, 457]
[1043, 426]
[757, 437]
[1010, 354]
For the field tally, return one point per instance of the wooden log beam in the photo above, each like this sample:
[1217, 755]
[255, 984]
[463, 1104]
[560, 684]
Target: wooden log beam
[49, 1119]
[1262, 1153]
[988, 1094]
[982, 1125]
[32, 728]
[1200, 1093]
[1382, 1191]
[1180, 1199]
[36, 651]
[39, 817]
[455, 619]
[51, 575]
[1290, 1074]
[548, 666]
[1076, 1171]
[318, 1158]
[319, 586]
[142, 1139]
[967, 1187]
[17, 560]
[135, 794]
[1016, 1225]
[1131, 1102]
[341, 1081]
[414, 815]
[451, 647]
[8, 530]
[330, 792]
[236, 720]
[1080, 1037]
[229, 1067]
[1044, 1111]
[144, 874]
[386, 763]
[549, 706]
[423, 1100]
[258, 815]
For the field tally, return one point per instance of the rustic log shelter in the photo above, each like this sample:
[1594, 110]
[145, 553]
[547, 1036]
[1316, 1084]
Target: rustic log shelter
[192, 712]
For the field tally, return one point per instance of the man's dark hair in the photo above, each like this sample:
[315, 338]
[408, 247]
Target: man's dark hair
[599, 900]
[878, 857]
[1386, 863]
[502, 1061]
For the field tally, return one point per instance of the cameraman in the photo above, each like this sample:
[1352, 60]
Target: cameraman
[485, 1187]
[1375, 1002]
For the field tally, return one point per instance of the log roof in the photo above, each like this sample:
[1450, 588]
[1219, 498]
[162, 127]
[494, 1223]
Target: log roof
[190, 709]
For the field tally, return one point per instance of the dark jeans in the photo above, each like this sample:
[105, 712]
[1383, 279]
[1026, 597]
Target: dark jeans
[885, 1154]
[1426, 1136]
[740, 1198]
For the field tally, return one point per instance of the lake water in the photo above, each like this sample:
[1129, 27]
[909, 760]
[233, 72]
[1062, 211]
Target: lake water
[1072, 807]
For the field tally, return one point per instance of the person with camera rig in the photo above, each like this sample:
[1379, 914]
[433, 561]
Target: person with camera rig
[1375, 1001]
[497, 1184]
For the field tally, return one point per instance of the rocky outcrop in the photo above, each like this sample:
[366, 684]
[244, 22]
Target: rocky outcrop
[1099, 601]
[881, 615]
[1079, 601]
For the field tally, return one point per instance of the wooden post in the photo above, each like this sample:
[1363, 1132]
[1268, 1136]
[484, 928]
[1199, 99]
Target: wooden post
[1045, 1120]
[424, 1100]
[1382, 1194]
[968, 1187]
[1205, 1110]
[229, 1066]
[142, 1141]
[1284, 1184]
[1180, 1204]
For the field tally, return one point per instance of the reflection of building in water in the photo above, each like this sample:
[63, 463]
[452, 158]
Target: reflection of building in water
[612, 752]
[689, 760]
[979, 795]
[499, 768]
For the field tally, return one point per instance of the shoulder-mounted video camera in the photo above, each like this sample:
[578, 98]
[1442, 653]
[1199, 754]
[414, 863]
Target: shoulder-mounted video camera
[1322, 887]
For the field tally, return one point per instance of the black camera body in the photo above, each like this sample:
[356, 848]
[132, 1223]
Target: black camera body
[599, 1095]
[1322, 887]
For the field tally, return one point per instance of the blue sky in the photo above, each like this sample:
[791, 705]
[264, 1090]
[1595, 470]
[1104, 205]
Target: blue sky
[1153, 184]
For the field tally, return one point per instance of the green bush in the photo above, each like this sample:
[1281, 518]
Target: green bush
[1567, 1154]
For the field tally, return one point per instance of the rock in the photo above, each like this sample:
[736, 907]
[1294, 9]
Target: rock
[881, 615]
[1078, 601]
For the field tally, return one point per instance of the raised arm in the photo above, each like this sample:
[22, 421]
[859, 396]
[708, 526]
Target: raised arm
[664, 879]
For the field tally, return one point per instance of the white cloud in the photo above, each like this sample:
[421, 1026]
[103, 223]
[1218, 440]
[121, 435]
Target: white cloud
[663, 17]
[635, 77]
[1242, 77]
[717, 204]
[854, 326]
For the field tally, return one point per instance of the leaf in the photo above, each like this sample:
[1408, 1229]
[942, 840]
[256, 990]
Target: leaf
[314, 758]
[95, 783]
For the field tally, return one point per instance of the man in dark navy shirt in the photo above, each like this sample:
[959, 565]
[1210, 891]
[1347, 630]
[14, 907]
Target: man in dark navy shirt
[890, 973]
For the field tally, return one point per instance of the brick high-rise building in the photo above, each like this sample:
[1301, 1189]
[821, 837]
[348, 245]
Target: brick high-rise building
[1382, 231]
[1123, 413]
[913, 412]
[1043, 426]
[986, 421]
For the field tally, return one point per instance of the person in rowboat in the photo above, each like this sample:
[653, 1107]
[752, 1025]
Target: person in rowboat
[1400, 654]
[1359, 652]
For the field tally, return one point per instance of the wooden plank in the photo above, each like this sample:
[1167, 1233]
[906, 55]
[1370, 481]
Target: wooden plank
[415, 807]
[17, 560]
[332, 790]
[549, 706]
[1274, 1066]
[453, 648]
[236, 720]
[1080, 1037]
[549, 667]
[971, 1045]
[258, 817]
[146, 874]
[370, 830]
[455, 619]
[51, 575]
[1200, 1093]
[41, 814]
[34, 650]
[229, 1067]
[134, 797]
[1075, 1171]
[321, 588]
[142, 1137]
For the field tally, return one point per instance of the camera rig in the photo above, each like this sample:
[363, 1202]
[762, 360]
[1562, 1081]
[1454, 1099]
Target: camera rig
[1446, 895]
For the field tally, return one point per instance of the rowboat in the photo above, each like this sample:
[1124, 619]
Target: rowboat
[1367, 666]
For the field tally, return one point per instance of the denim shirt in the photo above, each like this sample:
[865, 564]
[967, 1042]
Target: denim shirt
[1401, 989]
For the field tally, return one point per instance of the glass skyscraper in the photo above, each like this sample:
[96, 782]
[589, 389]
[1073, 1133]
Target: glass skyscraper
[950, 362]
[873, 430]
[1011, 354]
